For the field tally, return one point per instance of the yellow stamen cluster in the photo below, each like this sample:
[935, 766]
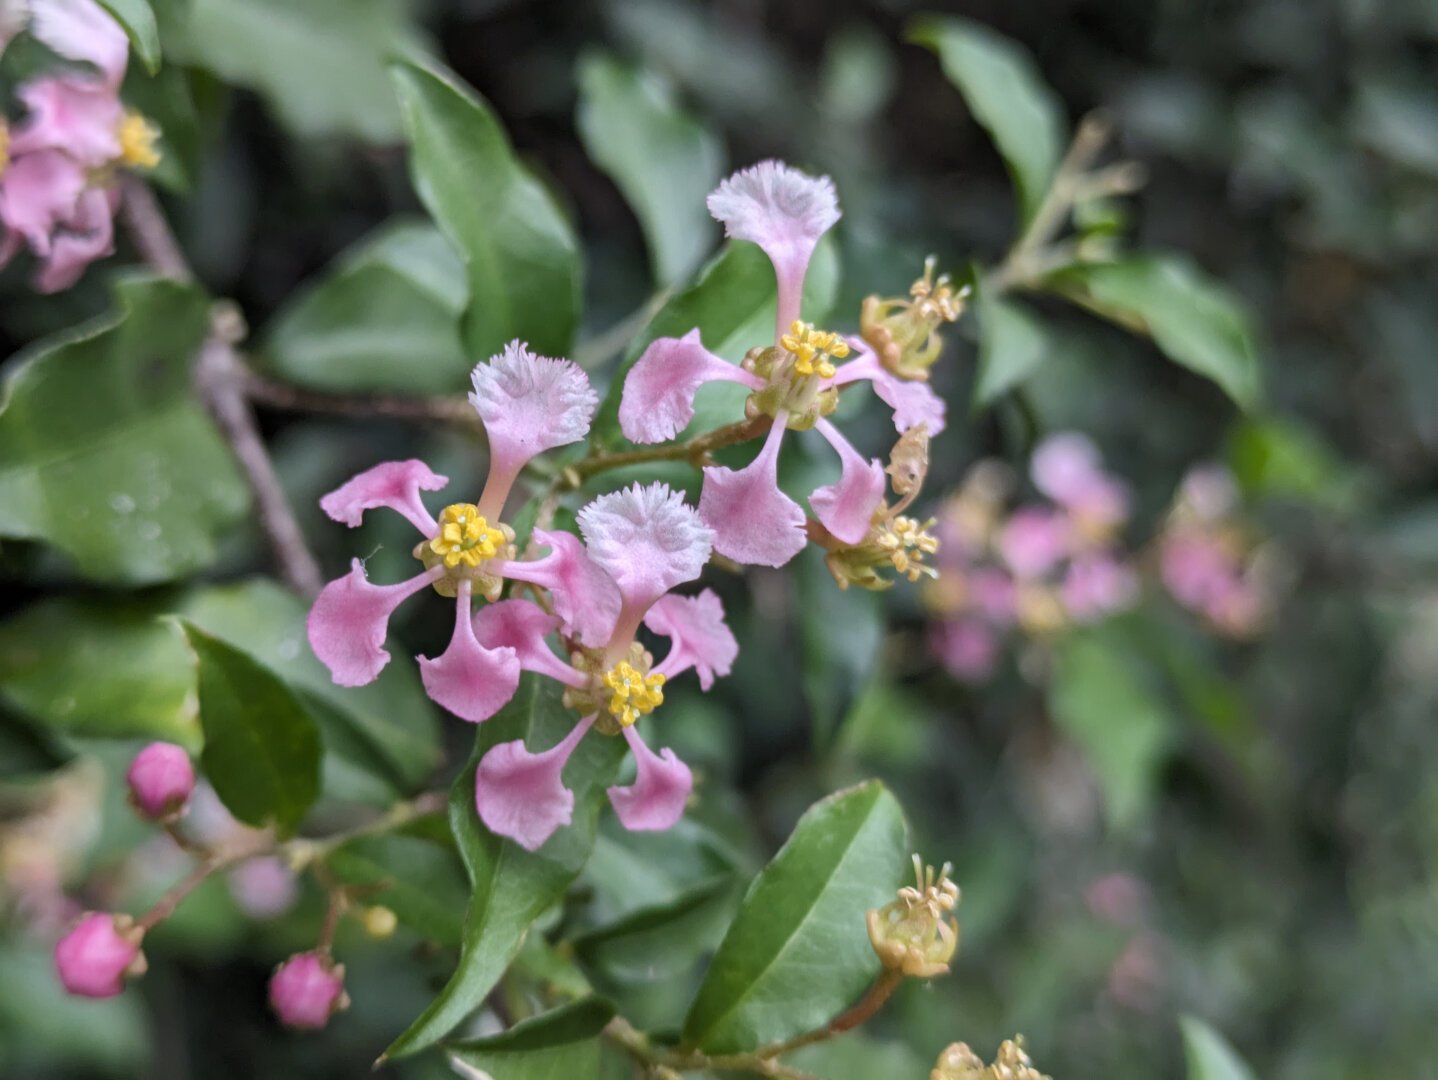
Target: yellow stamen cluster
[137, 142]
[465, 537]
[906, 542]
[959, 1062]
[634, 694]
[904, 333]
[915, 933]
[814, 350]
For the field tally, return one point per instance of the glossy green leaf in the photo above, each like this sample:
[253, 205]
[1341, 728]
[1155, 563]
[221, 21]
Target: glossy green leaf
[1014, 342]
[512, 886]
[731, 302]
[386, 317]
[138, 20]
[1196, 321]
[105, 454]
[562, 1044]
[520, 254]
[1281, 458]
[262, 749]
[1007, 95]
[1209, 1055]
[662, 940]
[663, 159]
[798, 952]
[421, 881]
[1123, 728]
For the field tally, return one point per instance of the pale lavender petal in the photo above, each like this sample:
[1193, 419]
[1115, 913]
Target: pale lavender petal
[40, 191]
[647, 539]
[1195, 567]
[913, 402]
[1033, 541]
[662, 783]
[77, 116]
[469, 680]
[753, 521]
[392, 484]
[83, 30]
[521, 794]
[585, 595]
[847, 508]
[1096, 586]
[523, 625]
[89, 234]
[700, 637]
[1068, 469]
[659, 390]
[350, 619]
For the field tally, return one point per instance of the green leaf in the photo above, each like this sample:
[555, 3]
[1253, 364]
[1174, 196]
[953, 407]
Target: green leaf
[558, 1045]
[837, 663]
[104, 452]
[1196, 321]
[262, 749]
[138, 21]
[731, 302]
[1007, 95]
[421, 881]
[1278, 457]
[662, 158]
[320, 65]
[798, 951]
[520, 253]
[1123, 728]
[512, 886]
[386, 317]
[1013, 343]
[1209, 1055]
[662, 940]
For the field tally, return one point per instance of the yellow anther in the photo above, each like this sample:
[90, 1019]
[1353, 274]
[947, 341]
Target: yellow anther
[906, 542]
[916, 933]
[813, 350]
[633, 693]
[137, 142]
[465, 538]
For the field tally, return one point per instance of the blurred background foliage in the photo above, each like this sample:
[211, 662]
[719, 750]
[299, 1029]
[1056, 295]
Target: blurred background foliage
[1273, 866]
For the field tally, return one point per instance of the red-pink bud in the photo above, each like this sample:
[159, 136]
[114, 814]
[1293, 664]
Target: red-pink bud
[96, 957]
[161, 781]
[307, 989]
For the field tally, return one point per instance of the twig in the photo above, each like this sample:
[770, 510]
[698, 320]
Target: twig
[151, 232]
[445, 409]
[694, 450]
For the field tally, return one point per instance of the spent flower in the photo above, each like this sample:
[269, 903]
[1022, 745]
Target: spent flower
[915, 933]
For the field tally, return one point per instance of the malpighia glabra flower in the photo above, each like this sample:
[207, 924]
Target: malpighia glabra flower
[307, 989]
[58, 165]
[649, 542]
[161, 781]
[528, 404]
[915, 933]
[795, 381]
[102, 951]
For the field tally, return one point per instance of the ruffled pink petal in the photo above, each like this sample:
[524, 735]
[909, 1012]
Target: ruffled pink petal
[700, 637]
[647, 539]
[584, 595]
[469, 680]
[1096, 586]
[785, 212]
[655, 801]
[753, 521]
[521, 795]
[847, 508]
[83, 30]
[89, 234]
[1033, 541]
[393, 484]
[523, 625]
[350, 619]
[659, 390]
[914, 403]
[38, 193]
[528, 404]
[78, 116]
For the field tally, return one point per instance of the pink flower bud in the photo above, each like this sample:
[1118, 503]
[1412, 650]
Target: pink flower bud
[95, 958]
[161, 780]
[307, 989]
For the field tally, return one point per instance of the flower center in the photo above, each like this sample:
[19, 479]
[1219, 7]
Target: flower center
[465, 537]
[814, 350]
[632, 693]
[137, 141]
[906, 542]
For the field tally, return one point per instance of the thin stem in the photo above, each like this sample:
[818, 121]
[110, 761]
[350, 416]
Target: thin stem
[693, 450]
[396, 817]
[443, 409]
[862, 1011]
[151, 232]
[164, 907]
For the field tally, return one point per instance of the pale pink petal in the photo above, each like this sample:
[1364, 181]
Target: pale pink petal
[78, 116]
[700, 637]
[1068, 469]
[83, 30]
[968, 649]
[528, 404]
[89, 234]
[584, 595]
[785, 212]
[1209, 491]
[1033, 541]
[994, 595]
[753, 521]
[523, 625]
[914, 403]
[647, 539]
[1195, 567]
[659, 390]
[469, 680]
[847, 508]
[392, 484]
[521, 794]
[350, 619]
[1096, 586]
[39, 192]
[662, 783]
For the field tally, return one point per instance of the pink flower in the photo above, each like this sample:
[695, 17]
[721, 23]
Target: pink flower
[161, 780]
[1196, 567]
[99, 954]
[1068, 469]
[648, 541]
[1096, 586]
[307, 989]
[528, 404]
[968, 648]
[1033, 541]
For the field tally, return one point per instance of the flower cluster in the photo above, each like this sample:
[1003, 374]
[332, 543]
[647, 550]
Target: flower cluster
[59, 162]
[1039, 567]
[1012, 1062]
[794, 380]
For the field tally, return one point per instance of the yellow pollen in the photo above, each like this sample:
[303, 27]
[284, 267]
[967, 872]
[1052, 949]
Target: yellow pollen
[137, 142]
[906, 542]
[634, 694]
[465, 538]
[814, 350]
